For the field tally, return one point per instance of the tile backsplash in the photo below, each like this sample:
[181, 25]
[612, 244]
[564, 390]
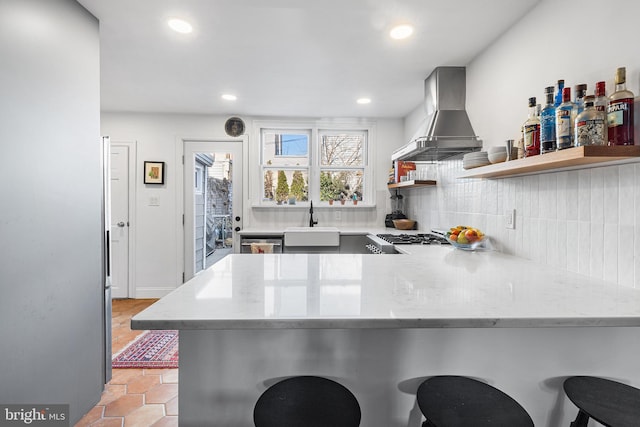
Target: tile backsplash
[585, 221]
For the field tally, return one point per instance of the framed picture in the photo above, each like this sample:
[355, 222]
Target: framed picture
[154, 172]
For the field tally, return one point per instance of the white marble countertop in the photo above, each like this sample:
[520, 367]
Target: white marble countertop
[426, 287]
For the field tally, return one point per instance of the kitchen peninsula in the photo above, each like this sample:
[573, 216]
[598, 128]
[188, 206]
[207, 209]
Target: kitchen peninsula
[380, 324]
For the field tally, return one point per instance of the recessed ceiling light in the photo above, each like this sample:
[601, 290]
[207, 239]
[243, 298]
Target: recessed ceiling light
[180, 26]
[229, 97]
[364, 101]
[400, 32]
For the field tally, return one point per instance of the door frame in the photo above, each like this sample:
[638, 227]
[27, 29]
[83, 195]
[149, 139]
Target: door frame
[133, 161]
[180, 196]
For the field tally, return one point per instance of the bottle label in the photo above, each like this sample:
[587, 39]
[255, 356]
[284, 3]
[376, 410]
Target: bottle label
[531, 132]
[620, 122]
[547, 127]
[591, 132]
[564, 128]
[618, 113]
[563, 123]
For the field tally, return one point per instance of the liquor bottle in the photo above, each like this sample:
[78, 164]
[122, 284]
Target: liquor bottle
[581, 91]
[548, 124]
[565, 120]
[601, 102]
[591, 125]
[520, 144]
[531, 131]
[558, 98]
[620, 112]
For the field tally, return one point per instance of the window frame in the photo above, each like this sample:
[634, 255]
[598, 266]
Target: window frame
[199, 178]
[315, 129]
[362, 167]
[264, 167]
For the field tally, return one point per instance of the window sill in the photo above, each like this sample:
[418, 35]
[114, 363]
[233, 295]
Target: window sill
[322, 206]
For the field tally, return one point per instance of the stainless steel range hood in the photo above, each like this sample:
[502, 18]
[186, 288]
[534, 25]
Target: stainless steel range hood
[446, 131]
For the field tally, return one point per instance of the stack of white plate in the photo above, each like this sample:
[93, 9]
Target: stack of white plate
[497, 154]
[475, 159]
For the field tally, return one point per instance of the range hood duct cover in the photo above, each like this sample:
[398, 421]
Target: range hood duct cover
[446, 131]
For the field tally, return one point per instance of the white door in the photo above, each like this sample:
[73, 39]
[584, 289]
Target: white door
[228, 155]
[120, 221]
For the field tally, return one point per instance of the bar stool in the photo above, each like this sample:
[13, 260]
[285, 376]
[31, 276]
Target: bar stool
[610, 403]
[455, 401]
[307, 401]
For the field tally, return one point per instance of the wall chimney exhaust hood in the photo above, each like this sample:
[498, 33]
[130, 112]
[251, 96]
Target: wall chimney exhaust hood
[446, 131]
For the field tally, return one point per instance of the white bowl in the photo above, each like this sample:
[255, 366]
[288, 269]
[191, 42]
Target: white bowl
[475, 155]
[502, 151]
[497, 149]
[498, 157]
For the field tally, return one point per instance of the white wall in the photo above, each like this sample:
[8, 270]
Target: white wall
[158, 245]
[51, 284]
[585, 221]
[534, 54]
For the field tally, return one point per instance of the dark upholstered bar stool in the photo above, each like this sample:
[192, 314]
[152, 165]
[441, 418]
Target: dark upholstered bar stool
[611, 403]
[454, 401]
[307, 401]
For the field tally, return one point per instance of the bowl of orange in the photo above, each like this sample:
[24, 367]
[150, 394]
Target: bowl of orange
[465, 238]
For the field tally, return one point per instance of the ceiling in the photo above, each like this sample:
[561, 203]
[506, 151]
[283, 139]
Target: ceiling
[298, 58]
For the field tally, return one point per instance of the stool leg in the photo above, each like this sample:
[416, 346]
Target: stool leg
[581, 420]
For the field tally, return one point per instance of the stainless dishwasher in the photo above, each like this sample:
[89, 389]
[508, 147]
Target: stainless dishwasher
[266, 244]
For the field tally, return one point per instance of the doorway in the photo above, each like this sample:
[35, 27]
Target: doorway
[122, 171]
[212, 202]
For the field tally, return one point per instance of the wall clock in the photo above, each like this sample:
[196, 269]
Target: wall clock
[234, 126]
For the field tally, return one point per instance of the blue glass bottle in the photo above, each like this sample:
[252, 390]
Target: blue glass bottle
[559, 88]
[548, 123]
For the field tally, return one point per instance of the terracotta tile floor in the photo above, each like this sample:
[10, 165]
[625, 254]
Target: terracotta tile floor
[134, 397]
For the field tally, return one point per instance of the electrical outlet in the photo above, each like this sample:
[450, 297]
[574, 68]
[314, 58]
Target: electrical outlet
[510, 218]
[337, 215]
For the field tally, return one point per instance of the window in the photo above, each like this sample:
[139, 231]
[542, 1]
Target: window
[342, 165]
[285, 165]
[199, 179]
[310, 164]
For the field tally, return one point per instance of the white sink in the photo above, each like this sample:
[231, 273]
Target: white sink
[311, 236]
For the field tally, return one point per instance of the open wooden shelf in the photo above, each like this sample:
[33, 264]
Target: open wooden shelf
[411, 184]
[571, 158]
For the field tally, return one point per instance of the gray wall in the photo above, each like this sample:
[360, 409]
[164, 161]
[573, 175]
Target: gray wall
[50, 205]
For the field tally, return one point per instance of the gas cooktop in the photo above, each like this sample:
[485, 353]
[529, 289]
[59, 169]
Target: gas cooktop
[414, 239]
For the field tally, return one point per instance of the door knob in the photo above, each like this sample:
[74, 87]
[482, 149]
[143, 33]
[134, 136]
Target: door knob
[120, 224]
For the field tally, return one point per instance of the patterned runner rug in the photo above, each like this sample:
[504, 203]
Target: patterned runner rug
[153, 349]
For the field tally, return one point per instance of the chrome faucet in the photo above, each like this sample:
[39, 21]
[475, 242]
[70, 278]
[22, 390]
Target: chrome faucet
[311, 221]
